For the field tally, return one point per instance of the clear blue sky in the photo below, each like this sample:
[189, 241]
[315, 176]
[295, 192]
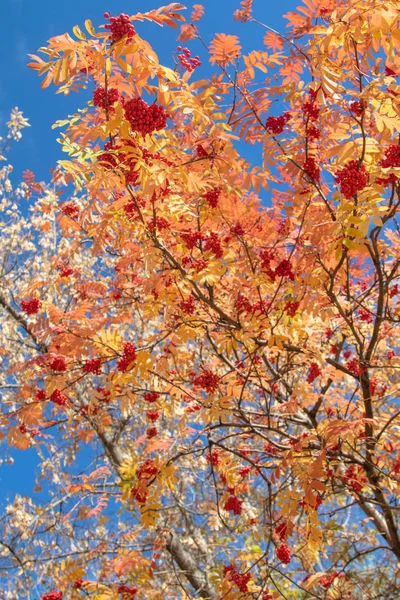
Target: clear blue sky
[25, 25]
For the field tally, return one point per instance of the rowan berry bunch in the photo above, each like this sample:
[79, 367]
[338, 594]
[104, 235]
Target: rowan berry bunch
[284, 555]
[70, 210]
[234, 504]
[212, 197]
[188, 306]
[58, 364]
[92, 366]
[208, 381]
[284, 269]
[191, 238]
[99, 97]
[40, 395]
[291, 308]
[65, 270]
[54, 595]
[151, 396]
[313, 373]
[119, 27]
[310, 110]
[355, 368]
[127, 593]
[354, 478]
[58, 398]
[31, 306]
[144, 118]
[214, 457]
[145, 472]
[313, 133]
[128, 357]
[276, 125]
[213, 244]
[186, 61]
[151, 432]
[153, 415]
[357, 108]
[352, 179]
[312, 169]
[241, 581]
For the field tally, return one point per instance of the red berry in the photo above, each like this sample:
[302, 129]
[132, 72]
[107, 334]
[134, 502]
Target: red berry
[58, 398]
[92, 366]
[233, 504]
[54, 595]
[283, 553]
[352, 179]
[120, 27]
[31, 306]
[58, 364]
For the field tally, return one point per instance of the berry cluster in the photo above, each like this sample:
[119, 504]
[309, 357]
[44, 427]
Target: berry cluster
[127, 593]
[266, 257]
[31, 306]
[214, 458]
[365, 315]
[77, 585]
[284, 269]
[354, 477]
[70, 210]
[291, 308]
[357, 108]
[313, 373]
[212, 197]
[391, 157]
[58, 398]
[145, 472]
[92, 366]
[188, 306]
[40, 395]
[394, 291]
[352, 179]
[313, 133]
[244, 471]
[65, 270]
[233, 504]
[186, 61]
[54, 595]
[283, 553]
[213, 244]
[312, 169]
[208, 381]
[129, 356]
[119, 27]
[191, 238]
[327, 580]
[355, 368]
[151, 432]
[310, 110]
[276, 125]
[373, 385]
[144, 118]
[58, 364]
[241, 581]
[105, 394]
[270, 449]
[237, 229]
[151, 396]
[99, 97]
[153, 415]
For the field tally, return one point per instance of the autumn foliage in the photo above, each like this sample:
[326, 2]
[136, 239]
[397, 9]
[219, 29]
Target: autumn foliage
[205, 357]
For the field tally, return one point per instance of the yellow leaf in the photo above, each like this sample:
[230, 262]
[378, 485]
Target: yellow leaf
[79, 33]
[89, 27]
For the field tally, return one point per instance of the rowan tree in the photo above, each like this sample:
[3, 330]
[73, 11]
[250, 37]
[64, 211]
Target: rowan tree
[203, 351]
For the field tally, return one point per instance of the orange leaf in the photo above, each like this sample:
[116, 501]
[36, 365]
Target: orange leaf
[224, 49]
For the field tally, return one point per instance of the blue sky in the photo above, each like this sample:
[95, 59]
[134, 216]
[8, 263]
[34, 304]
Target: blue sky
[27, 25]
